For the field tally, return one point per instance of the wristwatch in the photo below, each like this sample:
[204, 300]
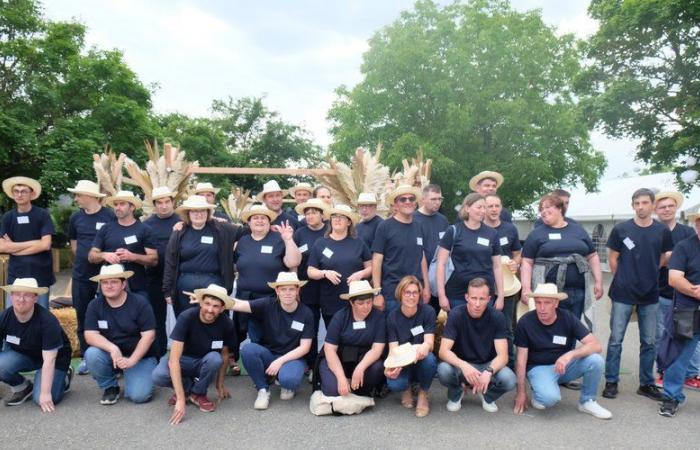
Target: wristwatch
[490, 369]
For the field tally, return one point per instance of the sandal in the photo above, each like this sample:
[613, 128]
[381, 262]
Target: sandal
[407, 399]
[423, 404]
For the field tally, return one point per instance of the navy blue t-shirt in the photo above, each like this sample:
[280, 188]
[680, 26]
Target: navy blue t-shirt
[636, 281]
[345, 257]
[200, 338]
[678, 233]
[402, 329]
[122, 326]
[548, 242]
[508, 239]
[161, 229]
[136, 238]
[345, 330]
[472, 257]
[473, 338]
[199, 252]
[433, 230]
[367, 230]
[259, 262]
[506, 215]
[42, 332]
[82, 228]
[284, 216]
[29, 226]
[546, 343]
[686, 258]
[220, 214]
[305, 238]
[539, 221]
[401, 244]
[282, 331]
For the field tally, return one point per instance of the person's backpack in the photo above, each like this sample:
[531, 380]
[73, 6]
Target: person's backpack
[449, 267]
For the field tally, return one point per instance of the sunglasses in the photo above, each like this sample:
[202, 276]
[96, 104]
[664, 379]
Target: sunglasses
[410, 199]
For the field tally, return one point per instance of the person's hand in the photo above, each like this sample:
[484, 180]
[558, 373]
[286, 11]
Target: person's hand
[274, 368]
[500, 302]
[125, 255]
[178, 226]
[520, 404]
[178, 412]
[169, 300]
[392, 373]
[378, 302]
[111, 257]
[562, 362]
[512, 266]
[426, 293]
[524, 299]
[357, 276]
[444, 303]
[222, 392]
[358, 376]
[126, 363]
[116, 355]
[46, 402]
[483, 384]
[598, 290]
[421, 352]
[285, 230]
[343, 386]
[471, 374]
[332, 276]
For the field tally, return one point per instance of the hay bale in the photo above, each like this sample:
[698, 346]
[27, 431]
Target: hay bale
[439, 329]
[69, 322]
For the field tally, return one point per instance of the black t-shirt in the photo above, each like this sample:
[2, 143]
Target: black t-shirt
[686, 258]
[199, 251]
[506, 215]
[42, 332]
[284, 216]
[367, 230]
[546, 343]
[259, 262]
[678, 233]
[636, 280]
[122, 326]
[200, 338]
[345, 330]
[161, 229]
[508, 239]
[540, 222]
[29, 226]
[402, 329]
[82, 228]
[282, 331]
[401, 244]
[305, 238]
[433, 230]
[473, 338]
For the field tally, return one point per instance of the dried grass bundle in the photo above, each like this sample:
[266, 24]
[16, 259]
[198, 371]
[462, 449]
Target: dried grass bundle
[108, 170]
[237, 202]
[416, 173]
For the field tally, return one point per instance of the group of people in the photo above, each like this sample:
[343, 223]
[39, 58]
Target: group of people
[272, 279]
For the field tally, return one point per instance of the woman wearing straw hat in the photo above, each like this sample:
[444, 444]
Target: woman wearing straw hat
[414, 323]
[338, 259]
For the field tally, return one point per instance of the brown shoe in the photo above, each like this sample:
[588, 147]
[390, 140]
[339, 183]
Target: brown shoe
[423, 404]
[203, 402]
[407, 398]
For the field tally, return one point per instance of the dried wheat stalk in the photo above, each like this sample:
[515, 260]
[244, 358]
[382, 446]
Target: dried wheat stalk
[236, 203]
[108, 170]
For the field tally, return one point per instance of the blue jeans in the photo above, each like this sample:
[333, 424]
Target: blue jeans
[138, 385]
[575, 301]
[545, 381]
[422, 372]
[666, 308]
[41, 300]
[189, 282]
[256, 359]
[646, 319]
[197, 373]
[12, 363]
[694, 365]
[675, 374]
[502, 381]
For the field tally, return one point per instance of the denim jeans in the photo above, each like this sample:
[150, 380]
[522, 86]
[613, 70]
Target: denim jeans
[41, 300]
[509, 306]
[694, 365]
[12, 363]
[189, 282]
[374, 377]
[501, 382]
[138, 385]
[646, 319]
[575, 301]
[421, 372]
[196, 373]
[256, 359]
[83, 292]
[666, 308]
[675, 374]
[545, 381]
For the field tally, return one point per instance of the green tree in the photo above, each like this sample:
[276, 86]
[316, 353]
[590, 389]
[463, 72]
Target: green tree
[643, 80]
[477, 86]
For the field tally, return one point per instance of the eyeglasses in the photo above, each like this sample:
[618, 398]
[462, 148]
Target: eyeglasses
[410, 199]
[411, 293]
[21, 191]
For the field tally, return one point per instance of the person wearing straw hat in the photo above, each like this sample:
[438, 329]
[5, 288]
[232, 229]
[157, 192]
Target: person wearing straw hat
[338, 259]
[487, 182]
[547, 355]
[34, 340]
[369, 220]
[126, 241]
[351, 361]
[25, 234]
[202, 341]
[272, 196]
[209, 192]
[474, 351]
[287, 329]
[82, 228]
[398, 249]
[161, 223]
[684, 277]
[120, 329]
[301, 193]
[637, 248]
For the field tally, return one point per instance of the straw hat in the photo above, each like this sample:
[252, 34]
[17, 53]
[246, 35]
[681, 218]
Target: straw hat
[511, 284]
[270, 186]
[125, 196]
[344, 210]
[367, 198]
[524, 309]
[692, 217]
[87, 187]
[401, 190]
[25, 285]
[287, 279]
[161, 192]
[195, 202]
[214, 290]
[676, 196]
[301, 187]
[312, 203]
[111, 271]
[476, 179]
[358, 289]
[205, 187]
[401, 356]
[258, 209]
[9, 183]
[547, 290]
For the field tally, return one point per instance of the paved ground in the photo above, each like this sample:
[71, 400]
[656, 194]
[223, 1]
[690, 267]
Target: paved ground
[80, 422]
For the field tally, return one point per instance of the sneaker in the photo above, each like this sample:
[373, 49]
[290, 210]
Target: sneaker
[454, 406]
[572, 385]
[660, 381]
[83, 368]
[537, 405]
[263, 399]
[110, 396]
[286, 394]
[669, 408]
[19, 397]
[610, 390]
[692, 383]
[203, 402]
[488, 407]
[651, 392]
[69, 378]
[593, 408]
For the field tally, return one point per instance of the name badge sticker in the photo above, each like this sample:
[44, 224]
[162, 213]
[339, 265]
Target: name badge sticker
[217, 345]
[297, 325]
[419, 241]
[504, 240]
[554, 236]
[99, 225]
[300, 217]
[483, 241]
[559, 340]
[12, 339]
[629, 243]
[417, 330]
[266, 249]
[303, 248]
[361, 325]
[441, 234]
[130, 239]
[327, 252]
[207, 239]
[102, 324]
[23, 219]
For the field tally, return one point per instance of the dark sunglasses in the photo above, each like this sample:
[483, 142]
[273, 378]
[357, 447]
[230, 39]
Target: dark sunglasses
[410, 199]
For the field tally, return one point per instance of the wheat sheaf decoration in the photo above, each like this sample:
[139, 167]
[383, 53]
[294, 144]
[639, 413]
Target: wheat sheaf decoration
[238, 201]
[415, 173]
[108, 170]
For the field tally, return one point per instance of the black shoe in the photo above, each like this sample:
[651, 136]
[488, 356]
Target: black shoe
[573, 385]
[69, 378]
[110, 396]
[610, 390]
[652, 392]
[669, 408]
[17, 398]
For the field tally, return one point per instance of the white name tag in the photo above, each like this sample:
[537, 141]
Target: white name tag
[554, 236]
[300, 217]
[266, 249]
[359, 325]
[216, 345]
[629, 243]
[483, 241]
[441, 234]
[12, 339]
[504, 240]
[207, 239]
[303, 248]
[559, 340]
[419, 241]
[102, 324]
[327, 252]
[23, 219]
[130, 239]
[99, 225]
[417, 330]
[297, 325]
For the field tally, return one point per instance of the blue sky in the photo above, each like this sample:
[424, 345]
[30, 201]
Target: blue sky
[293, 52]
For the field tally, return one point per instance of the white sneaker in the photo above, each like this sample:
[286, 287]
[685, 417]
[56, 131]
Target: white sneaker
[537, 405]
[593, 408]
[488, 407]
[286, 394]
[263, 400]
[456, 405]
